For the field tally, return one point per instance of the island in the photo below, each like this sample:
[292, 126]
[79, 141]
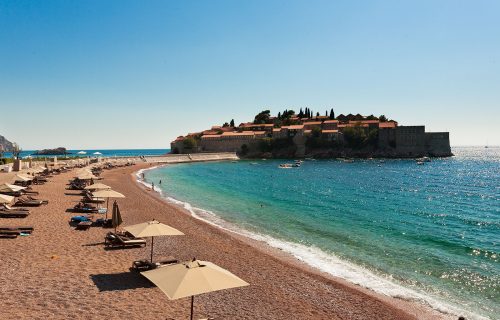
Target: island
[52, 152]
[302, 135]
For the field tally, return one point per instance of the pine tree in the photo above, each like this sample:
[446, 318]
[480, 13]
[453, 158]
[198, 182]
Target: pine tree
[231, 124]
[301, 114]
[317, 114]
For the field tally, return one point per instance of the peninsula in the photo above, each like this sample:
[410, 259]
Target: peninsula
[291, 135]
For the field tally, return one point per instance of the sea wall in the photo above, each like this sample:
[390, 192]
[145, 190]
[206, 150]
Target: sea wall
[191, 157]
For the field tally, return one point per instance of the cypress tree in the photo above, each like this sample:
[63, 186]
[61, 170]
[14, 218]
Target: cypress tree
[231, 124]
[332, 114]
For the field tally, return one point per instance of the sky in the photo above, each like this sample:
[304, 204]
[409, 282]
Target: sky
[103, 74]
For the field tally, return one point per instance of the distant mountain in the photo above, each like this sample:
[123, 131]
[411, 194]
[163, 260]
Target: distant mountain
[5, 145]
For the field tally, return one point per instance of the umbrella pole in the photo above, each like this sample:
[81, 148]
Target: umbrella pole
[107, 205]
[192, 306]
[152, 241]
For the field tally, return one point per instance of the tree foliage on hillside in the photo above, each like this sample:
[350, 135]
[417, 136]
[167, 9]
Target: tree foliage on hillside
[356, 137]
[189, 143]
[262, 117]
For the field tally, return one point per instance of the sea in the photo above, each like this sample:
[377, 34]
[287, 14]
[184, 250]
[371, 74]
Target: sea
[428, 233]
[84, 153]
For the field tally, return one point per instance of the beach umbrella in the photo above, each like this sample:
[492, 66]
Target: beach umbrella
[6, 199]
[6, 187]
[107, 194]
[97, 186]
[116, 217]
[152, 229]
[23, 178]
[86, 176]
[81, 152]
[191, 278]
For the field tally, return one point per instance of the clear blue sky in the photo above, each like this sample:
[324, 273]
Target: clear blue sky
[136, 74]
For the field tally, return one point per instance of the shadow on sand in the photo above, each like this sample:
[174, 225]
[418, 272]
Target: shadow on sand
[120, 281]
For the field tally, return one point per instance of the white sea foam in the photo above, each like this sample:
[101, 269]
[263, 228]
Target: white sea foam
[323, 261]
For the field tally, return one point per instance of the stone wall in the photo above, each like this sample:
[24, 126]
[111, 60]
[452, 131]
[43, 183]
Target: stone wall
[410, 141]
[437, 144]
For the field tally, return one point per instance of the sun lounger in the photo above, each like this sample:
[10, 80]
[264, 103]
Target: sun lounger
[29, 203]
[8, 210]
[84, 225]
[17, 214]
[82, 208]
[8, 236]
[145, 265]
[89, 199]
[116, 240]
[22, 229]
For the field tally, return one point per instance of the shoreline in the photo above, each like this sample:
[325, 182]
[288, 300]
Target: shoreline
[420, 309]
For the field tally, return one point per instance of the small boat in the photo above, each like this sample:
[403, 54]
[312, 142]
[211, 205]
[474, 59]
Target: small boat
[420, 163]
[348, 160]
[423, 159]
[253, 163]
[289, 165]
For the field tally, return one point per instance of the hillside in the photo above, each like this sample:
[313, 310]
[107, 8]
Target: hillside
[5, 145]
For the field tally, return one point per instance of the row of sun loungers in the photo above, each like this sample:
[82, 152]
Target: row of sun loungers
[14, 232]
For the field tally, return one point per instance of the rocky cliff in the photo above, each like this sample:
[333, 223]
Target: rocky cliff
[5, 145]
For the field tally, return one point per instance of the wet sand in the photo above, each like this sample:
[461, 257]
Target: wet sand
[61, 273]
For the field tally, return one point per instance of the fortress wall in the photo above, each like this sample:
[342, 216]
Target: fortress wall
[437, 144]
[410, 141]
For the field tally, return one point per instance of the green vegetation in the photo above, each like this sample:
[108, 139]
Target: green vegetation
[262, 117]
[357, 137]
[274, 145]
[189, 143]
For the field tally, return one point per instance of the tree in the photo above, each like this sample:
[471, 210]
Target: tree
[301, 113]
[225, 125]
[317, 114]
[332, 114]
[326, 113]
[189, 143]
[231, 124]
[382, 118]
[371, 117]
[262, 117]
[354, 136]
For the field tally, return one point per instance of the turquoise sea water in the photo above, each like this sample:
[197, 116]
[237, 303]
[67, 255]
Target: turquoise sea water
[425, 232]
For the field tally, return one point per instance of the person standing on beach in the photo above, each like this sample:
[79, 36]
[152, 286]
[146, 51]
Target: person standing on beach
[160, 181]
[153, 186]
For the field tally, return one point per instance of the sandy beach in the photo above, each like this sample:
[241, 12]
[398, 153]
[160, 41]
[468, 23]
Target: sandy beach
[61, 273]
